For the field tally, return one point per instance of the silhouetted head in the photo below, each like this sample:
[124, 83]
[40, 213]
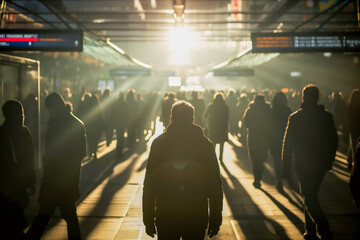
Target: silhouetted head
[106, 92]
[259, 98]
[86, 97]
[171, 96]
[310, 94]
[194, 94]
[336, 95]
[67, 93]
[279, 100]
[55, 103]
[182, 112]
[219, 98]
[130, 95]
[13, 112]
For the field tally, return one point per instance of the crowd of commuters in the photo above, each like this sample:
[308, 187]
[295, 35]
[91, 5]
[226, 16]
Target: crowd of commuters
[294, 121]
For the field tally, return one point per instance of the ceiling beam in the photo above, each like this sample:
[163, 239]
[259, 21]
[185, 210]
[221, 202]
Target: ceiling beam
[186, 23]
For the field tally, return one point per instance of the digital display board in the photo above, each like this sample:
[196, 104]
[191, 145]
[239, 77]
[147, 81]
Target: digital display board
[305, 42]
[41, 40]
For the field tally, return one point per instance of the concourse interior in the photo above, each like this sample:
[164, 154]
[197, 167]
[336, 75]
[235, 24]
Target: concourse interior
[153, 49]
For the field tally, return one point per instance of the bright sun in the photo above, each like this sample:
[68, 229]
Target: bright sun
[181, 42]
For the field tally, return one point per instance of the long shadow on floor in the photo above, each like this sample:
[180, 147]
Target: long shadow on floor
[88, 183]
[114, 184]
[252, 221]
[245, 163]
[297, 222]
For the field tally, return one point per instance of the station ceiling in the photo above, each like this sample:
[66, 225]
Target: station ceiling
[129, 21]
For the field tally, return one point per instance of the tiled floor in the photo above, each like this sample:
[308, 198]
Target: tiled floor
[110, 207]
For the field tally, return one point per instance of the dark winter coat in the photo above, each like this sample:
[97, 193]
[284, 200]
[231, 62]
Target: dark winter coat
[217, 116]
[182, 175]
[17, 163]
[311, 133]
[355, 177]
[279, 118]
[65, 147]
[257, 119]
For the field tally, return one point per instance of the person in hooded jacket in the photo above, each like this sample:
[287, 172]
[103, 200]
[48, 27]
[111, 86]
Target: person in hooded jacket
[280, 113]
[311, 134]
[257, 120]
[17, 174]
[65, 148]
[182, 193]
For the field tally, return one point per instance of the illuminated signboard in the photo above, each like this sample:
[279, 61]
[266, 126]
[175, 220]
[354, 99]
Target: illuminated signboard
[41, 40]
[130, 72]
[305, 42]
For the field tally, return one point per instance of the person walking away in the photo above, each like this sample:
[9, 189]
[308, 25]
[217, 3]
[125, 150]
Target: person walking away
[121, 121]
[17, 174]
[217, 117]
[312, 135]
[240, 109]
[166, 109]
[257, 120]
[280, 113]
[231, 102]
[65, 148]
[133, 116]
[199, 106]
[182, 187]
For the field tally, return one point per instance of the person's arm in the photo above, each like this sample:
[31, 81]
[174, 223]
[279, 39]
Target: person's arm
[215, 194]
[288, 142]
[149, 199]
[333, 140]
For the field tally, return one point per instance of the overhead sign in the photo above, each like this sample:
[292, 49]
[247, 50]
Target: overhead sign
[129, 72]
[41, 40]
[305, 42]
[236, 72]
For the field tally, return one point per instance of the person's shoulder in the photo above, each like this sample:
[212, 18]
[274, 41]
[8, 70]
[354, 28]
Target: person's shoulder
[75, 120]
[296, 114]
[26, 130]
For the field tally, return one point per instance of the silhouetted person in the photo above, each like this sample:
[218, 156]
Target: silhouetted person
[338, 109]
[166, 109]
[257, 120]
[354, 183]
[199, 106]
[17, 174]
[311, 134]
[133, 115]
[217, 117]
[182, 187]
[108, 112]
[141, 117]
[353, 123]
[65, 148]
[95, 124]
[121, 114]
[240, 109]
[231, 102]
[280, 113]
